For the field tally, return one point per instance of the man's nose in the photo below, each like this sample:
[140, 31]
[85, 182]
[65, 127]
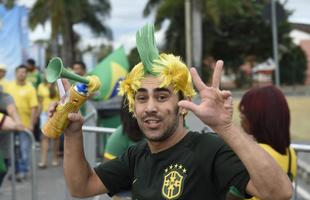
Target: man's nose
[151, 106]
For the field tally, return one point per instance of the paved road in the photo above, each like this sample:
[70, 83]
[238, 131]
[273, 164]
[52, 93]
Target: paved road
[51, 186]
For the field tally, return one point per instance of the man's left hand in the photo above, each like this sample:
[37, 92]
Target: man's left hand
[215, 108]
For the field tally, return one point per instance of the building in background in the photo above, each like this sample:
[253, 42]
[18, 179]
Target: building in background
[13, 37]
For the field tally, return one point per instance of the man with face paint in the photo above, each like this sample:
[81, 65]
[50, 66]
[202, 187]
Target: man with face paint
[174, 162]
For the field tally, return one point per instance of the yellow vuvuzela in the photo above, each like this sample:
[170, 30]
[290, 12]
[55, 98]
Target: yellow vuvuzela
[72, 101]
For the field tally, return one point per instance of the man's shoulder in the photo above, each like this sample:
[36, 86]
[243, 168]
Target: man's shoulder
[35, 72]
[138, 148]
[11, 84]
[42, 86]
[205, 139]
[29, 85]
[205, 136]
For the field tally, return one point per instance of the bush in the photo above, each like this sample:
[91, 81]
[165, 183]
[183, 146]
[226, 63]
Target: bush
[293, 66]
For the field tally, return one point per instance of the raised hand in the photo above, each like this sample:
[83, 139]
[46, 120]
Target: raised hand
[75, 121]
[215, 108]
[75, 124]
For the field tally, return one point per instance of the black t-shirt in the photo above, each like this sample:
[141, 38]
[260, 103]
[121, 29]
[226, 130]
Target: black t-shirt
[200, 166]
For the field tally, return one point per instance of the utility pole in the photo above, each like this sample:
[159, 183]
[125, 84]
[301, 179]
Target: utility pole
[188, 33]
[275, 41]
[197, 34]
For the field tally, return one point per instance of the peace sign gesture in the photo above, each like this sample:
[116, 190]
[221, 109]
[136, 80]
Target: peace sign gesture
[215, 108]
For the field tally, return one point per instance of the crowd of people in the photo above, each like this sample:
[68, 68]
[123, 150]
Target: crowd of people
[24, 103]
[22, 98]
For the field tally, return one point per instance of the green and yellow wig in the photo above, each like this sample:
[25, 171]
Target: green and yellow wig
[170, 68]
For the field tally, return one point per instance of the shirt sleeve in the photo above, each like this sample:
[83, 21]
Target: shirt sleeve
[33, 98]
[230, 172]
[116, 174]
[39, 90]
[115, 145]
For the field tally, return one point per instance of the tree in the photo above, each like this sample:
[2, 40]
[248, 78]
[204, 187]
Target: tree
[7, 3]
[174, 12]
[63, 15]
[293, 66]
[232, 30]
[248, 34]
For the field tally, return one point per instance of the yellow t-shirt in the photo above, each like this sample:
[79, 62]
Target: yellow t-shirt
[43, 92]
[4, 84]
[25, 97]
[282, 160]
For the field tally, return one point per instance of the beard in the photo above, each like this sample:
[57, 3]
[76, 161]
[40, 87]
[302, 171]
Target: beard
[169, 131]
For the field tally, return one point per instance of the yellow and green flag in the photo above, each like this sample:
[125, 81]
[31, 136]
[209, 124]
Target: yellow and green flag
[111, 70]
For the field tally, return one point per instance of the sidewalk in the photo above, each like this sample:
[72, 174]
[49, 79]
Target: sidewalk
[51, 186]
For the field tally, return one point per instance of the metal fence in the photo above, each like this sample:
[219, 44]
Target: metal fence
[32, 164]
[90, 119]
[302, 166]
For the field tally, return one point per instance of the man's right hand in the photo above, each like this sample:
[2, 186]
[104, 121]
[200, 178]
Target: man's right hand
[75, 124]
[75, 121]
[51, 109]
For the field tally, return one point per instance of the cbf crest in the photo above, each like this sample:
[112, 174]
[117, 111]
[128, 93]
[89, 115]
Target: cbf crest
[173, 182]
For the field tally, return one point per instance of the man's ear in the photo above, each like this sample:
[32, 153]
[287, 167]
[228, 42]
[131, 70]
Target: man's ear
[184, 111]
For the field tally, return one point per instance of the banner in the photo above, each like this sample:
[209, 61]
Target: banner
[13, 37]
[111, 70]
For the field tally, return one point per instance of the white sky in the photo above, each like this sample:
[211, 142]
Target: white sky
[126, 18]
[300, 10]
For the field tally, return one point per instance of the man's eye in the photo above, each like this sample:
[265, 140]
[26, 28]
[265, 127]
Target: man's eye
[141, 98]
[162, 97]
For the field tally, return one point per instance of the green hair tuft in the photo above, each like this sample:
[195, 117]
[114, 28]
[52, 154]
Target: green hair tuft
[147, 49]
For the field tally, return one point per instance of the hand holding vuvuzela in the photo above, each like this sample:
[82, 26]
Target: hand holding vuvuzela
[215, 108]
[72, 101]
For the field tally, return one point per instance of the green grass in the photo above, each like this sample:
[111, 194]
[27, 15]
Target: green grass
[300, 116]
